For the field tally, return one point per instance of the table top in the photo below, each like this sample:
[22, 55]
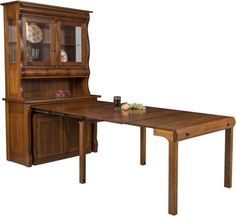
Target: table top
[181, 122]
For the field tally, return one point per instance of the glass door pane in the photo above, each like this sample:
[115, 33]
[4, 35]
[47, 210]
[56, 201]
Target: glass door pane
[70, 44]
[12, 40]
[38, 42]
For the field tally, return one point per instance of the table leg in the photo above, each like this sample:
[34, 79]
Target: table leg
[94, 137]
[173, 176]
[228, 157]
[173, 167]
[142, 145]
[82, 152]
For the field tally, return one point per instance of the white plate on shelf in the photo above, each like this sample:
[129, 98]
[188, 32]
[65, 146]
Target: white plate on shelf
[34, 34]
[64, 56]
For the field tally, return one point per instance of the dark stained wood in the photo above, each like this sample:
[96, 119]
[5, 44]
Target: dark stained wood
[94, 136]
[18, 137]
[8, 131]
[142, 145]
[21, 69]
[36, 82]
[173, 176]
[51, 41]
[173, 168]
[82, 157]
[71, 135]
[184, 124]
[174, 125]
[43, 10]
[57, 137]
[228, 157]
[48, 137]
[12, 69]
[50, 100]
[55, 133]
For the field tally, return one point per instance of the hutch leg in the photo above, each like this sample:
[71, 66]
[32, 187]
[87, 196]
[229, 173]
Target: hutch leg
[28, 134]
[228, 157]
[8, 132]
[82, 152]
[142, 145]
[173, 177]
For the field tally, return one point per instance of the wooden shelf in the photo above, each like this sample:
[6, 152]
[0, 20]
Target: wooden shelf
[55, 77]
[46, 100]
[70, 44]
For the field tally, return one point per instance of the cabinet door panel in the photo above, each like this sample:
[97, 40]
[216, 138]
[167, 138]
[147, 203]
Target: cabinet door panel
[39, 41]
[72, 44]
[48, 138]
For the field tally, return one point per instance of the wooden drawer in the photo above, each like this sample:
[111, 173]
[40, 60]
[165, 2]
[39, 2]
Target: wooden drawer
[58, 72]
[34, 73]
[79, 72]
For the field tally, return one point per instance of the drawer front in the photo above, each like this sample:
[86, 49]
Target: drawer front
[34, 73]
[55, 72]
[80, 72]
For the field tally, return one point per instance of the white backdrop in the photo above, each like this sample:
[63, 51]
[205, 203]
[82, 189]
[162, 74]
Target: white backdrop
[175, 54]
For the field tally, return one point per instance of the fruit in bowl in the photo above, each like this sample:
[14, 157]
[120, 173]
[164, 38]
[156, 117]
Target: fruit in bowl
[132, 106]
[125, 106]
[62, 93]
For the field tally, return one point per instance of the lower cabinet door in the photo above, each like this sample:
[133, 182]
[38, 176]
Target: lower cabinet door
[48, 138]
[56, 137]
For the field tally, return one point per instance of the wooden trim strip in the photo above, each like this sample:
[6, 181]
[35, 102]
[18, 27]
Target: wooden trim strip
[209, 127]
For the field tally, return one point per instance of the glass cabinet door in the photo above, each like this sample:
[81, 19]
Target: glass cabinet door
[70, 43]
[39, 47]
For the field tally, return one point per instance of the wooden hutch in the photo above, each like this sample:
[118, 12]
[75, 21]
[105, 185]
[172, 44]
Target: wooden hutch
[46, 62]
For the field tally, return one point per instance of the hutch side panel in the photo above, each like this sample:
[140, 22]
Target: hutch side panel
[18, 133]
[12, 51]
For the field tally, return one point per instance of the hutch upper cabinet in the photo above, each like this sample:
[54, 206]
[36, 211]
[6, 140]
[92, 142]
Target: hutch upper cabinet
[53, 42]
[46, 62]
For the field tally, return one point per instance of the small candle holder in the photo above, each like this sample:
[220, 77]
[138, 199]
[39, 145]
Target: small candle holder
[117, 102]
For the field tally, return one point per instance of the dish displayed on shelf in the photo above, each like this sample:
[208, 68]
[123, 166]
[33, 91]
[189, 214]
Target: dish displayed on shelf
[64, 56]
[33, 33]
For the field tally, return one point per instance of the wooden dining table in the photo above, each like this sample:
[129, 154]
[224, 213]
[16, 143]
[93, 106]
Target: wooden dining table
[174, 125]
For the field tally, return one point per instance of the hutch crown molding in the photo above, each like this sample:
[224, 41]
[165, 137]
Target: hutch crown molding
[46, 62]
